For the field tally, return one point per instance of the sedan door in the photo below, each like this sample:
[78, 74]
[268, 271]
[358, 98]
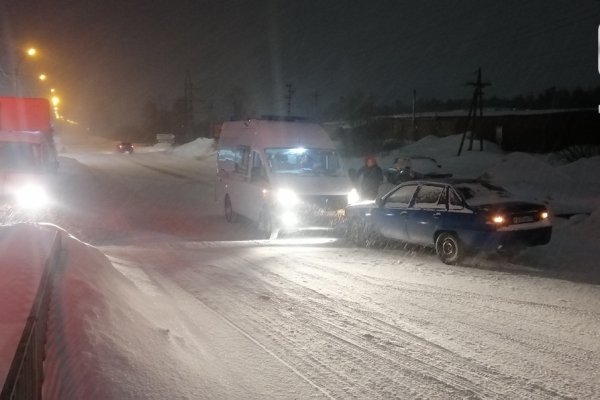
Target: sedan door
[391, 216]
[426, 213]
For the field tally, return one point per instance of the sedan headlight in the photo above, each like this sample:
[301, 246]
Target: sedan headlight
[31, 196]
[286, 197]
[353, 196]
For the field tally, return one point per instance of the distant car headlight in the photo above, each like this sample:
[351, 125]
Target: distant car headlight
[31, 196]
[353, 196]
[287, 198]
[544, 215]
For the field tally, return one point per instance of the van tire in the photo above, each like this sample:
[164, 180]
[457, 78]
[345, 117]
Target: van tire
[265, 225]
[230, 215]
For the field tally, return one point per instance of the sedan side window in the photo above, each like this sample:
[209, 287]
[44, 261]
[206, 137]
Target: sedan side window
[401, 197]
[429, 196]
[455, 202]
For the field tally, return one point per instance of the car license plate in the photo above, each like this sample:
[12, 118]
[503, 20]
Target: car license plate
[521, 220]
[330, 213]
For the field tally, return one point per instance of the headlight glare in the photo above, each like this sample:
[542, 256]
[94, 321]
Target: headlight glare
[289, 219]
[31, 196]
[286, 197]
[353, 196]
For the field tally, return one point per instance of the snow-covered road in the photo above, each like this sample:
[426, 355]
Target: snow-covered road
[194, 308]
[377, 325]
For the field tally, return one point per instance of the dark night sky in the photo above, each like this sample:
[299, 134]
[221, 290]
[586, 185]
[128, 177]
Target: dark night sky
[109, 57]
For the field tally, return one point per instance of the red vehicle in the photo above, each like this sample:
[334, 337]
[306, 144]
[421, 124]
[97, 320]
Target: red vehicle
[27, 152]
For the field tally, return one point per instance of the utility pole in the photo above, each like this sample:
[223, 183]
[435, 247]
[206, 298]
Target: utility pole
[288, 97]
[473, 120]
[188, 108]
[189, 98]
[315, 97]
[414, 116]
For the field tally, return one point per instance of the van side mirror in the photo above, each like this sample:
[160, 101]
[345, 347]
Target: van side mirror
[379, 201]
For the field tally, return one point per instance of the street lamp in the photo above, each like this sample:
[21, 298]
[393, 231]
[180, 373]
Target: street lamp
[42, 77]
[30, 52]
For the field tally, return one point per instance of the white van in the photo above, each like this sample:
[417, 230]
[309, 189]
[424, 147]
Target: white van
[282, 173]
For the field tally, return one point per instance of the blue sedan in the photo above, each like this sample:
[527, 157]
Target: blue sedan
[452, 216]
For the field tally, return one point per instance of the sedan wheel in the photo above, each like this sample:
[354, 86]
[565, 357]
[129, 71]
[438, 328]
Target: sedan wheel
[448, 248]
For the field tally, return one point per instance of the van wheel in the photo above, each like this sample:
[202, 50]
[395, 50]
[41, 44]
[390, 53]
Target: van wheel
[449, 248]
[265, 225]
[230, 215]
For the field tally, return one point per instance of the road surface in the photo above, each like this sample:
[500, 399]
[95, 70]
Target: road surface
[327, 319]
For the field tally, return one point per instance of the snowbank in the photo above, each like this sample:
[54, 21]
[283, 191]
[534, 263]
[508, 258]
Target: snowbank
[108, 339]
[568, 189]
[445, 147]
[470, 164]
[116, 333]
[198, 148]
[573, 248]
[157, 148]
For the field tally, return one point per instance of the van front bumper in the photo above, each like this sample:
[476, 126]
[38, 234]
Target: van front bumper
[303, 219]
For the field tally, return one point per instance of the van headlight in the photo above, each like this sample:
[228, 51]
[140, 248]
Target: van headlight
[289, 219]
[31, 196]
[353, 196]
[287, 198]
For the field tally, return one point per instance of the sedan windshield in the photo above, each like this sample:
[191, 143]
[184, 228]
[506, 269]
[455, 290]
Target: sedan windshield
[304, 161]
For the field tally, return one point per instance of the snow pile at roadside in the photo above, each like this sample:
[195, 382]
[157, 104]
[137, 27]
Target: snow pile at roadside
[198, 148]
[157, 148]
[470, 164]
[116, 333]
[584, 170]
[569, 189]
[444, 147]
[109, 340]
[574, 246]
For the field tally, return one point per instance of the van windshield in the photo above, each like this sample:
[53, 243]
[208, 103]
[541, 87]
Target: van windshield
[303, 161]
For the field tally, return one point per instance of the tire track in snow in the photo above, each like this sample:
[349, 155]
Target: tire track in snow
[427, 370]
[564, 356]
[361, 345]
[411, 368]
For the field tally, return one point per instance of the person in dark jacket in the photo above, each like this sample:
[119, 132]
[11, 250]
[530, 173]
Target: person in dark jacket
[371, 176]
